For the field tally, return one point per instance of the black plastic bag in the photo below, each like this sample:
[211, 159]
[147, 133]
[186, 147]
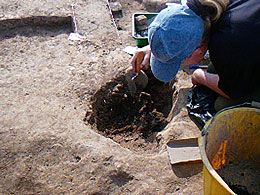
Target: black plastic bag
[201, 104]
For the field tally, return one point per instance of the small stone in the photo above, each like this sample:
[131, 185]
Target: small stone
[141, 20]
[120, 86]
[116, 89]
[115, 6]
[116, 9]
[114, 93]
[145, 96]
[141, 23]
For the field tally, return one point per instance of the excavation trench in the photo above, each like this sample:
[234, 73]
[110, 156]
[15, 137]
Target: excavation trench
[131, 121]
[36, 26]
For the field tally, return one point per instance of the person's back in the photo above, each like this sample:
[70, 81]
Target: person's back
[234, 47]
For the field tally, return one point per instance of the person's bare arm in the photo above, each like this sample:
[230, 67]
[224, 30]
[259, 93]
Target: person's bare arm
[199, 77]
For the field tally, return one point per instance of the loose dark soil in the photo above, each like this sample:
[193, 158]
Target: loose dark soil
[131, 121]
[242, 177]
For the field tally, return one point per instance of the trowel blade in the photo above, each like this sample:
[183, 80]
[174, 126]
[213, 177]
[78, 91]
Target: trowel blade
[136, 82]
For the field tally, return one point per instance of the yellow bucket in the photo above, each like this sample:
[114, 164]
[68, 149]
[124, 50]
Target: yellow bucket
[232, 135]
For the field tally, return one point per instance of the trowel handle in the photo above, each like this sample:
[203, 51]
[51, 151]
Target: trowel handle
[139, 58]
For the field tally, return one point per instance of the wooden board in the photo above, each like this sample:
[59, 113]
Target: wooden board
[184, 151]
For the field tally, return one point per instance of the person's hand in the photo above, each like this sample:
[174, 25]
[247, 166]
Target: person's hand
[145, 64]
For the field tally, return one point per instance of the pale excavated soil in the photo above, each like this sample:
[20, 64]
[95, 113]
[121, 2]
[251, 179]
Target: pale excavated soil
[46, 84]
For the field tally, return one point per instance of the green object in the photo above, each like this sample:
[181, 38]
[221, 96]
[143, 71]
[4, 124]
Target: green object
[141, 41]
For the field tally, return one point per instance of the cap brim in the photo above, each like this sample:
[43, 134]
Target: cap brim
[164, 71]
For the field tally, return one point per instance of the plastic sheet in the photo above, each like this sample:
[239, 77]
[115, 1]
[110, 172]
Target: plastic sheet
[200, 104]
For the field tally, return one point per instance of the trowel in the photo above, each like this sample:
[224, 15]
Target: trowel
[136, 79]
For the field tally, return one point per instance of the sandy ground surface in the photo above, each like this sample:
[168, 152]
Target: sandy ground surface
[46, 85]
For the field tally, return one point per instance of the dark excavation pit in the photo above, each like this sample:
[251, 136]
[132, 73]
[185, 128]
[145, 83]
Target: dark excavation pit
[131, 121]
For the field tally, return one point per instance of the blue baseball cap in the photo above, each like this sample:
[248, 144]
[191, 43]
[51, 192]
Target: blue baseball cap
[173, 36]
